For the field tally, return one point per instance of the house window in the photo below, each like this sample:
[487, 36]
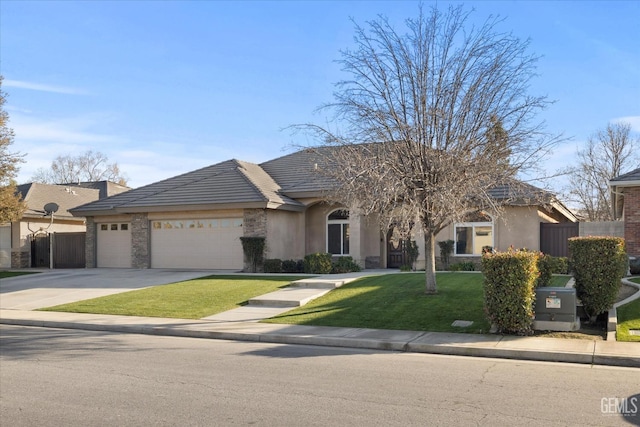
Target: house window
[124, 227]
[104, 227]
[338, 232]
[114, 227]
[472, 236]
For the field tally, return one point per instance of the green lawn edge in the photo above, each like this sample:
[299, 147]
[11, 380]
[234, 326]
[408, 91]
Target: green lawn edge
[628, 319]
[191, 299]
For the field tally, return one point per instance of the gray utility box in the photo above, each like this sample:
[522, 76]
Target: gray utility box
[555, 310]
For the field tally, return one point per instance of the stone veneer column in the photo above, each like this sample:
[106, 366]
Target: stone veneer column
[254, 224]
[90, 249]
[632, 220]
[140, 241]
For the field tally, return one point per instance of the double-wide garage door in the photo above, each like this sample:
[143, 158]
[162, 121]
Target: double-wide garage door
[197, 243]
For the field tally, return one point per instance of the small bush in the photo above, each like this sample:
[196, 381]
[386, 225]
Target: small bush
[253, 249]
[559, 265]
[293, 266]
[344, 264]
[446, 249]
[318, 263]
[273, 265]
[463, 266]
[509, 279]
[599, 264]
[544, 270]
[410, 252]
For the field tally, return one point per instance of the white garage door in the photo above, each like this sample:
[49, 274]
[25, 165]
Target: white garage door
[5, 246]
[114, 245]
[197, 243]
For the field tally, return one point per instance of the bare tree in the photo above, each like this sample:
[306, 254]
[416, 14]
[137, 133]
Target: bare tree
[609, 153]
[11, 206]
[90, 166]
[430, 120]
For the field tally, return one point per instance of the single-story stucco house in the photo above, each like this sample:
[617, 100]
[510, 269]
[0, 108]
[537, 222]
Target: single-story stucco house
[16, 237]
[625, 191]
[195, 220]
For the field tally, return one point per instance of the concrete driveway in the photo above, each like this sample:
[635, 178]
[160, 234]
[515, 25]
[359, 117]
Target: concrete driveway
[55, 287]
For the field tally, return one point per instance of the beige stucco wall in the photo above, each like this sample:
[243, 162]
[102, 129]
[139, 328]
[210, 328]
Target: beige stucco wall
[285, 235]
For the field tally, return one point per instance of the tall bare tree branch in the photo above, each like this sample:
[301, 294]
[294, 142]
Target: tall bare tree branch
[428, 121]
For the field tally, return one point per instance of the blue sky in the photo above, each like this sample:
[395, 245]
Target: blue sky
[166, 87]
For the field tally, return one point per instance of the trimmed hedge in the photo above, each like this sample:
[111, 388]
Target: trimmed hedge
[509, 280]
[344, 264]
[273, 265]
[544, 270]
[599, 264]
[293, 266]
[318, 263]
[559, 265]
[463, 266]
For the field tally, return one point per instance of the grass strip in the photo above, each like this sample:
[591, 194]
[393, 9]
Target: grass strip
[8, 274]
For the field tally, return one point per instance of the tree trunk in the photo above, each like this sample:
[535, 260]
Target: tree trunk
[430, 262]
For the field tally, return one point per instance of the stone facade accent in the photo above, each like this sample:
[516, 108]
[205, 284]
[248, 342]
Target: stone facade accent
[632, 220]
[254, 223]
[90, 243]
[140, 241]
[20, 259]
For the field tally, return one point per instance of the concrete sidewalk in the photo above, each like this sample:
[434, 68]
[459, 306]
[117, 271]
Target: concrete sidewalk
[242, 324]
[510, 347]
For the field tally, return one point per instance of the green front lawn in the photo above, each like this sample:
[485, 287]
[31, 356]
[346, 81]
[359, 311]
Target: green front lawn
[398, 301]
[629, 318]
[192, 299]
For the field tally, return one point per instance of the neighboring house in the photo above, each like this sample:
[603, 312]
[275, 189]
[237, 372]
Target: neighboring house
[196, 220]
[16, 237]
[625, 191]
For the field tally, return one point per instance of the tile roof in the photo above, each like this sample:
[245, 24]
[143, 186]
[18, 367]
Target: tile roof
[37, 195]
[230, 183]
[273, 184]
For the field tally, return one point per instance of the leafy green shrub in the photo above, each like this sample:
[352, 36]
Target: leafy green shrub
[253, 249]
[293, 266]
[273, 265]
[544, 270]
[559, 265]
[446, 249]
[344, 264]
[509, 279]
[410, 253]
[318, 263]
[599, 264]
[463, 266]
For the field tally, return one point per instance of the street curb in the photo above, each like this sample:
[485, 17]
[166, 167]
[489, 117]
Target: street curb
[500, 349]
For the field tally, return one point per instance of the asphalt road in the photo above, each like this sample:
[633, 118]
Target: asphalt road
[51, 377]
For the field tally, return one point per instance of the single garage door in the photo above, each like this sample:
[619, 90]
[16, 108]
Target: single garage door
[114, 245]
[197, 243]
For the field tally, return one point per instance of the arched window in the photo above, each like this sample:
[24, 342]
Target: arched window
[473, 235]
[338, 232]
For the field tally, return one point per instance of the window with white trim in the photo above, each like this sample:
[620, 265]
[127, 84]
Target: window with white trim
[338, 232]
[471, 236]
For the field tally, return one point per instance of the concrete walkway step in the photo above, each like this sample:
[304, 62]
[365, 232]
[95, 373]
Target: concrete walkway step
[288, 297]
[319, 283]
